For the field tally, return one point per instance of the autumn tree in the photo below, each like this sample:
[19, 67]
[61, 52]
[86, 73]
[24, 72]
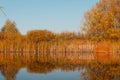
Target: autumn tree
[10, 27]
[37, 36]
[103, 20]
[10, 35]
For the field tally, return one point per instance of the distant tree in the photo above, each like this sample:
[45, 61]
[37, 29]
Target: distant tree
[37, 36]
[10, 27]
[67, 35]
[103, 20]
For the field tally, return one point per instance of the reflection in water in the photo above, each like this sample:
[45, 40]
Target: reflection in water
[99, 71]
[9, 72]
[12, 63]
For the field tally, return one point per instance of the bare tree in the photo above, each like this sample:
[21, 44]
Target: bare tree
[1, 10]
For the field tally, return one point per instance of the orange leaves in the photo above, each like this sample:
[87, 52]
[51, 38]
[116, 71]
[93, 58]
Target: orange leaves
[10, 27]
[102, 18]
[37, 36]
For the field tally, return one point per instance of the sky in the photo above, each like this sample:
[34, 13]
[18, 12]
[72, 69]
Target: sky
[54, 15]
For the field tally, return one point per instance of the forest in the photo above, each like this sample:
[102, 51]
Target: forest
[101, 23]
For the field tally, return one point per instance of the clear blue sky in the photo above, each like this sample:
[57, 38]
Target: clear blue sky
[53, 15]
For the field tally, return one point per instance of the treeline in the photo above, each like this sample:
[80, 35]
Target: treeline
[102, 23]
[11, 38]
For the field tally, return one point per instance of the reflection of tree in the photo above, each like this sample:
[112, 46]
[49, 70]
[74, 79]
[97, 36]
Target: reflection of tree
[9, 72]
[69, 67]
[38, 67]
[10, 64]
[98, 71]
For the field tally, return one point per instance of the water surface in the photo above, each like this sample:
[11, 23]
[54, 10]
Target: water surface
[48, 67]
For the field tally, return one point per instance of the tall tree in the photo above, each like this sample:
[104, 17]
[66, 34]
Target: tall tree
[10, 27]
[103, 20]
